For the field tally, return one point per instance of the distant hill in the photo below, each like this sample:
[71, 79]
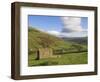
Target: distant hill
[79, 40]
[38, 39]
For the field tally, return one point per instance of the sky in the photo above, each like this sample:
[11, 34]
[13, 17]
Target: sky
[60, 26]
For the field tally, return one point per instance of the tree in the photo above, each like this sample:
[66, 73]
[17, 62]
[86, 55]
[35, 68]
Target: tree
[77, 46]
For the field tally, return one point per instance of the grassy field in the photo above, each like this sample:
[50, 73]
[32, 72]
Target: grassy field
[38, 39]
[65, 59]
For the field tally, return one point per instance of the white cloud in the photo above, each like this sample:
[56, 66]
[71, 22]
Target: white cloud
[72, 28]
[71, 24]
[53, 32]
[71, 34]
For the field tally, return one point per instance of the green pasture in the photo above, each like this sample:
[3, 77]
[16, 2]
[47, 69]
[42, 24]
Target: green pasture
[65, 59]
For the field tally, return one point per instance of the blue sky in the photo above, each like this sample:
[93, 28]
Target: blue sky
[45, 22]
[52, 23]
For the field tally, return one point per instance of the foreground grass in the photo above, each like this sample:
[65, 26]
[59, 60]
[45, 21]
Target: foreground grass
[65, 59]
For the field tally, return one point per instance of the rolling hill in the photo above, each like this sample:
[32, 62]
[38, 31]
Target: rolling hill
[79, 40]
[70, 54]
[38, 39]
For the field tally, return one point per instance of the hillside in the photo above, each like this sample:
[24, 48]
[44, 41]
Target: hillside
[70, 52]
[36, 39]
[79, 40]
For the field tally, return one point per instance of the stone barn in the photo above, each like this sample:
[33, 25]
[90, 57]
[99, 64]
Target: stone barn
[45, 53]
